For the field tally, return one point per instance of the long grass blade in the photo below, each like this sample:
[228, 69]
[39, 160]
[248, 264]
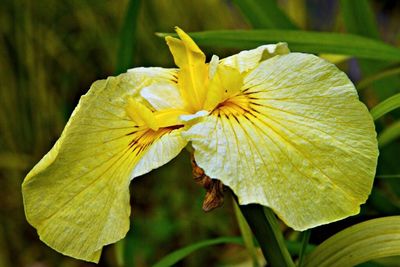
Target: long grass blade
[264, 14]
[367, 81]
[266, 230]
[127, 41]
[385, 106]
[180, 254]
[246, 234]
[301, 41]
[359, 18]
[389, 134]
[388, 176]
[304, 244]
[358, 244]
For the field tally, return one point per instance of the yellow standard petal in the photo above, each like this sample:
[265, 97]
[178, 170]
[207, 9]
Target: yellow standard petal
[295, 138]
[77, 196]
[193, 71]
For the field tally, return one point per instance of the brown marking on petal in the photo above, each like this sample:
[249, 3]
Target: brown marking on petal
[214, 197]
[144, 138]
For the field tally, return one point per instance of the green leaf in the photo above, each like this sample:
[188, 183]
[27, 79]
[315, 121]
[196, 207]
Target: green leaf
[388, 176]
[264, 14]
[385, 106]
[359, 18]
[127, 40]
[357, 244]
[306, 239]
[265, 227]
[180, 254]
[294, 247]
[302, 41]
[246, 234]
[389, 134]
[380, 201]
[367, 81]
[14, 161]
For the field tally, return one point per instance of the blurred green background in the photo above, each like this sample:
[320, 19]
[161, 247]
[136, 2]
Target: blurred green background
[50, 53]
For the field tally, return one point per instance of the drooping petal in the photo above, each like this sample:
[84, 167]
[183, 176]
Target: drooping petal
[249, 59]
[193, 70]
[77, 196]
[303, 145]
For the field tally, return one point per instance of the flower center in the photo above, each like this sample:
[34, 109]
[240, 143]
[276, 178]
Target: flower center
[235, 105]
[142, 139]
[146, 118]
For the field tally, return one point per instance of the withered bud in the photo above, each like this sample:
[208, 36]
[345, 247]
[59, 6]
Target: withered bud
[214, 197]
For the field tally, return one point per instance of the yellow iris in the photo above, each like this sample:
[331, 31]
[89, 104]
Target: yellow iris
[285, 130]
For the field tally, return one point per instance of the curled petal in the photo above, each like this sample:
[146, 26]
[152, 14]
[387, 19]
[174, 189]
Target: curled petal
[77, 196]
[249, 59]
[296, 139]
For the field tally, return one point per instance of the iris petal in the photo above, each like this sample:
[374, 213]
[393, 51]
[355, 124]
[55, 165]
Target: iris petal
[193, 70]
[77, 196]
[304, 146]
[249, 59]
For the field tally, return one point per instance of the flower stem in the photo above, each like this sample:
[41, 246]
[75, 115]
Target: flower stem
[304, 244]
[265, 228]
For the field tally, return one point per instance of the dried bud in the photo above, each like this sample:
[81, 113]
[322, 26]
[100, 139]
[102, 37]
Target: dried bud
[214, 197]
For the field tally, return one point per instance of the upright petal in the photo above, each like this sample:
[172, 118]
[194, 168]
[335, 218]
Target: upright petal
[77, 196]
[193, 73]
[302, 144]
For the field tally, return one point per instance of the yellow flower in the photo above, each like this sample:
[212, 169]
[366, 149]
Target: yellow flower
[285, 130]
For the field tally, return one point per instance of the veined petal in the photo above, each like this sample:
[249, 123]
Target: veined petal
[304, 144]
[249, 59]
[193, 70]
[160, 152]
[77, 196]
[163, 96]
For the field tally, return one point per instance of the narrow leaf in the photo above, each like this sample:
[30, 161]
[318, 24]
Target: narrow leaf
[306, 239]
[385, 106]
[302, 41]
[360, 243]
[297, 11]
[382, 202]
[266, 230]
[246, 234]
[359, 18]
[388, 176]
[180, 254]
[264, 14]
[367, 81]
[294, 247]
[389, 134]
[13, 161]
[127, 40]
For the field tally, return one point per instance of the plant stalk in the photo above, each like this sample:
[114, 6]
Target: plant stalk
[264, 225]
